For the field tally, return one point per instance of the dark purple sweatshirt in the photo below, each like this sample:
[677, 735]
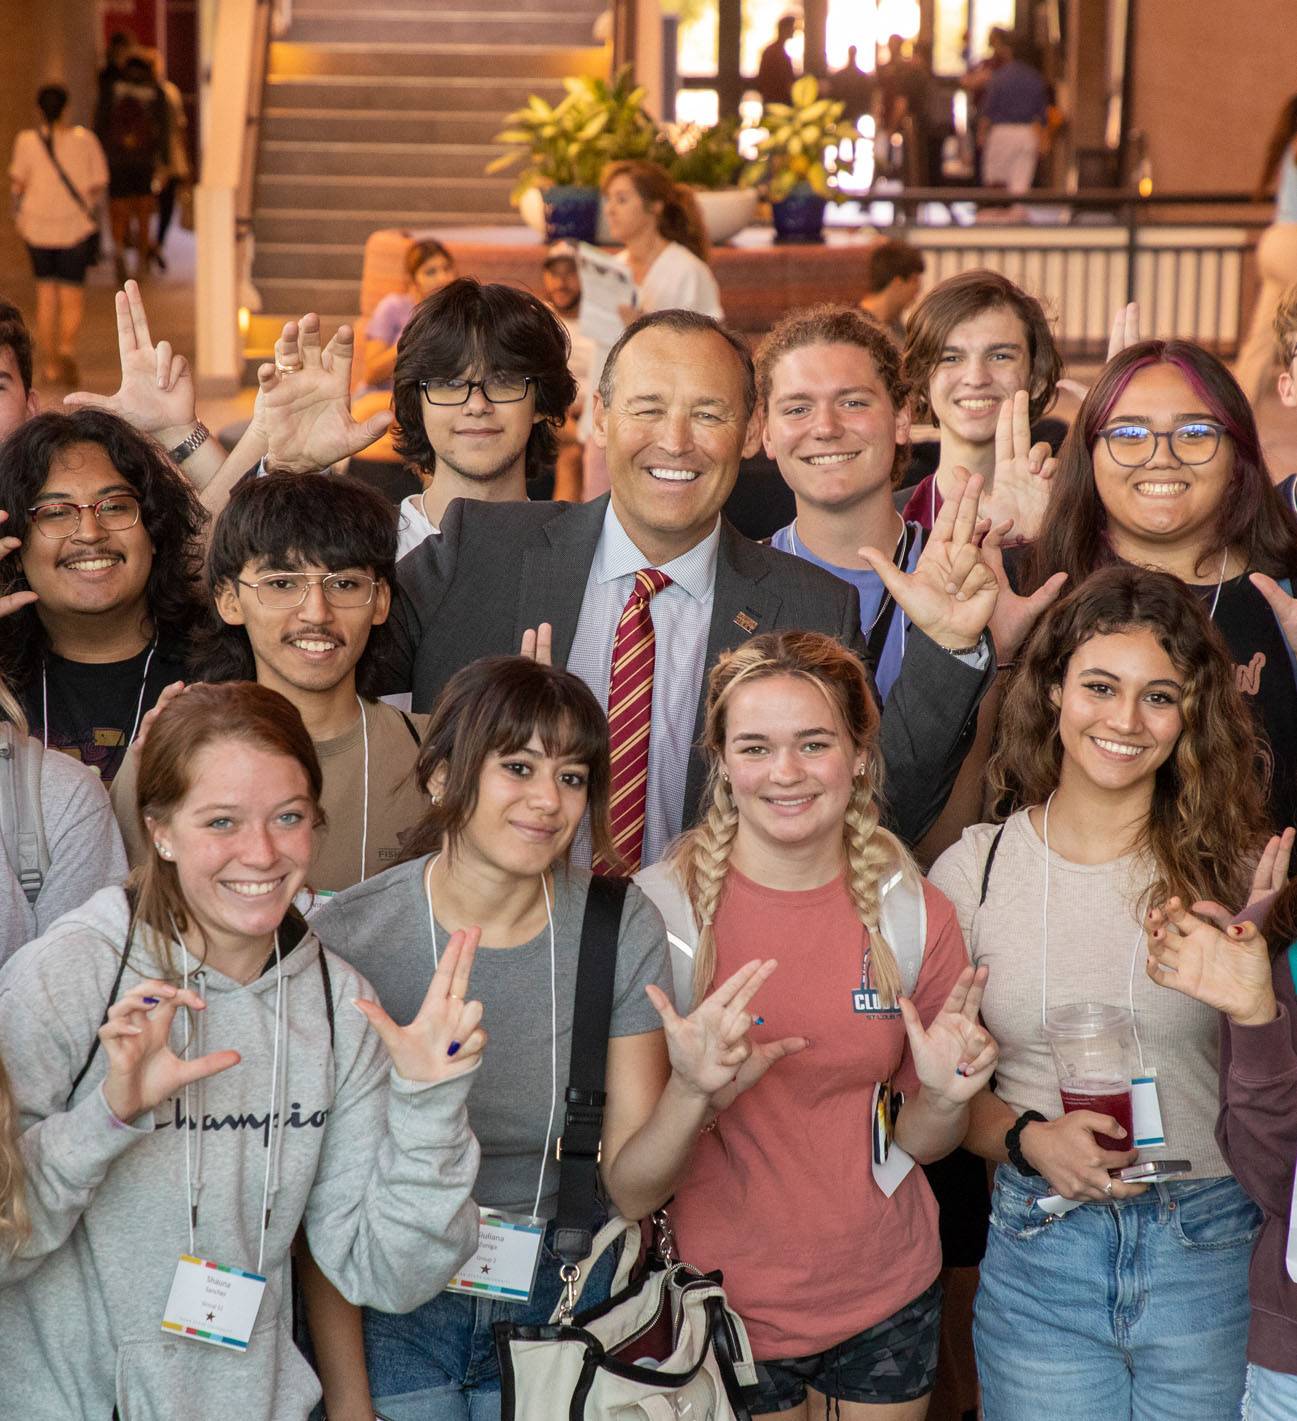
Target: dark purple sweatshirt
[1257, 1133]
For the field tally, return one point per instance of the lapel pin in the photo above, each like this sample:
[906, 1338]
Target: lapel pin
[745, 621]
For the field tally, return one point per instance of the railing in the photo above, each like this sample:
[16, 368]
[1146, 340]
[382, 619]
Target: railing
[1188, 258]
[223, 198]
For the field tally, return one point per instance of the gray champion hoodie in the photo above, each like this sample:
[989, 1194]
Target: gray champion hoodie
[378, 1168]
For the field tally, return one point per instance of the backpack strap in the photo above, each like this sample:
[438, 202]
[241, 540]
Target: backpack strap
[327, 984]
[903, 921]
[578, 1146]
[47, 142]
[990, 859]
[22, 819]
[409, 725]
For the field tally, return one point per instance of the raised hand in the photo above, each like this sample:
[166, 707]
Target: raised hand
[953, 1055]
[1023, 471]
[156, 395]
[444, 1040]
[764, 1055]
[304, 401]
[708, 1046]
[11, 601]
[143, 1070]
[1014, 616]
[1272, 867]
[538, 644]
[1228, 970]
[951, 593]
[1125, 329]
[1282, 605]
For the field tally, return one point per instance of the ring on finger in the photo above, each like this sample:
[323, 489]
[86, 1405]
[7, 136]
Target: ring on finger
[282, 369]
[1107, 1189]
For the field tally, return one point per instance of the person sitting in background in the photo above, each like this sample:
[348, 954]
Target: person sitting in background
[665, 246]
[893, 273]
[58, 173]
[562, 282]
[109, 544]
[300, 571]
[429, 268]
[972, 343]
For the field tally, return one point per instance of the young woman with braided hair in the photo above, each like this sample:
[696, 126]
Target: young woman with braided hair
[875, 996]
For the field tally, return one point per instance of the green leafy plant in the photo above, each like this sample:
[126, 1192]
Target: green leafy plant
[595, 122]
[700, 157]
[798, 136]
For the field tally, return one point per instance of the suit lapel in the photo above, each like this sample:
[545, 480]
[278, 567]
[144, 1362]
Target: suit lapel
[551, 586]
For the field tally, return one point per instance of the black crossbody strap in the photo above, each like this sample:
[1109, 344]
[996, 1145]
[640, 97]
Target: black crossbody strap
[578, 1146]
[882, 627]
[990, 860]
[112, 998]
[47, 139]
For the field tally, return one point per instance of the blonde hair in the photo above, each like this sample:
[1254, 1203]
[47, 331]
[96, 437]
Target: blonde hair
[10, 710]
[701, 856]
[15, 1225]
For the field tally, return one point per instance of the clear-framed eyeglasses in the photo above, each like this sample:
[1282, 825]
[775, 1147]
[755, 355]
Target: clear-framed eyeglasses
[1132, 443]
[496, 389]
[114, 514]
[289, 589]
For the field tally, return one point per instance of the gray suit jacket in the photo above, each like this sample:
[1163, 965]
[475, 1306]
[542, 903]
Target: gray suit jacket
[498, 569]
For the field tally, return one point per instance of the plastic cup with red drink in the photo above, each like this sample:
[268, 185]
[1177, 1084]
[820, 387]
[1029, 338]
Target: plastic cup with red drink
[1093, 1045]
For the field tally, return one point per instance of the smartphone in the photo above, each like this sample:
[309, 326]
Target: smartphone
[1149, 1171]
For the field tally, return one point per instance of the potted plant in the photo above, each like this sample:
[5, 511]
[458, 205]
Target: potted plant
[790, 160]
[708, 160]
[566, 146]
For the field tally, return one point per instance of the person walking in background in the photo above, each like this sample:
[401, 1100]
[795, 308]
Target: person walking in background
[174, 170]
[1276, 253]
[58, 174]
[134, 127]
[853, 86]
[776, 71]
[1011, 118]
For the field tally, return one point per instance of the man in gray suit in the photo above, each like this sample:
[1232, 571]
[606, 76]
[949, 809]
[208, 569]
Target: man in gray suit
[674, 413]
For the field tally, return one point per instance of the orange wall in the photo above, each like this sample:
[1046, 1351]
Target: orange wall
[1210, 76]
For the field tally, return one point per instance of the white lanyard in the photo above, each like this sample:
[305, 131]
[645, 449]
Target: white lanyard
[886, 595]
[553, 1017]
[364, 813]
[1044, 942]
[139, 705]
[1220, 582]
[193, 1168]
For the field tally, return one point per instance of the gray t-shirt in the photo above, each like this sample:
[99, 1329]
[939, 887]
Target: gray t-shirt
[381, 928]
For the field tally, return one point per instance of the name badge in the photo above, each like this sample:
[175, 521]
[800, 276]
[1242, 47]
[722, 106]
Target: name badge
[213, 1302]
[1146, 1113]
[504, 1266]
[890, 1162]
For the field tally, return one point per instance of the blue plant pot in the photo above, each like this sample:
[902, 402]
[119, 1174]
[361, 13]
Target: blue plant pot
[800, 216]
[572, 213]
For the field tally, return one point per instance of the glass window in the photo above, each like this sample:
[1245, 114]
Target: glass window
[700, 106]
[696, 41]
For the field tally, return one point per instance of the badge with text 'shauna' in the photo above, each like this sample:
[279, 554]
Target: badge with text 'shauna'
[213, 1302]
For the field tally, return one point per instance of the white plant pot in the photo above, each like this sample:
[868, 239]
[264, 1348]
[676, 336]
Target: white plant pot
[725, 212]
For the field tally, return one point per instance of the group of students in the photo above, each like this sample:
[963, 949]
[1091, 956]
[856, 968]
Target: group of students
[1090, 642]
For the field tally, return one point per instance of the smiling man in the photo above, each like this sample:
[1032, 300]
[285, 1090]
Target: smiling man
[647, 586]
[300, 571]
[109, 546]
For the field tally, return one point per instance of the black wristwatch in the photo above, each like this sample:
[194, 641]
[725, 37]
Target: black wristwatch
[1014, 1134]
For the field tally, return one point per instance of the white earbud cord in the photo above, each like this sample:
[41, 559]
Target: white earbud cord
[364, 813]
[139, 704]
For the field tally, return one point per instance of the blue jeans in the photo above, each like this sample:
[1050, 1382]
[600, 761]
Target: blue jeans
[1269, 1396]
[438, 1363]
[1131, 1311]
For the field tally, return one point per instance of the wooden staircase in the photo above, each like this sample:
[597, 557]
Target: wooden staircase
[384, 118]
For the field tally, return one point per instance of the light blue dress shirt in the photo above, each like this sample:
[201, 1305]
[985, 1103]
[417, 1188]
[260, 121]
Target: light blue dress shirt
[682, 615]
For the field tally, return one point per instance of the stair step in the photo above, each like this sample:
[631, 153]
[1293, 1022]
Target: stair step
[400, 92]
[294, 225]
[383, 9]
[431, 61]
[485, 196]
[325, 261]
[284, 125]
[558, 27]
[374, 159]
[329, 298]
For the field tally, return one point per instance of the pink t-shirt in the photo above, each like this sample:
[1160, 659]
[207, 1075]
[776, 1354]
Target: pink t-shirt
[781, 1194]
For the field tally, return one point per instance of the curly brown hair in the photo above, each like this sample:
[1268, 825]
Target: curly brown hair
[1285, 326]
[1207, 823]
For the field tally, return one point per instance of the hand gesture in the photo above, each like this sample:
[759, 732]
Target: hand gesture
[1125, 329]
[708, 1046]
[1014, 616]
[1272, 867]
[304, 401]
[953, 1055]
[143, 1070]
[156, 395]
[764, 1055]
[165, 697]
[1283, 606]
[444, 1040]
[538, 644]
[1023, 470]
[1067, 1154]
[11, 601]
[1227, 970]
[951, 593]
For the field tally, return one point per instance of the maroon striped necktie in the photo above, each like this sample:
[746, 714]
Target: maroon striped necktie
[630, 711]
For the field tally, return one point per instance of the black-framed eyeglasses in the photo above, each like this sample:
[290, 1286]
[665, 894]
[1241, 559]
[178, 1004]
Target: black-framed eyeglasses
[1132, 444]
[496, 390]
[114, 514]
[289, 589]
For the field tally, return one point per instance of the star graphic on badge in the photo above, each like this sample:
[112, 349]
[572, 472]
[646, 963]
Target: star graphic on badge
[486, 1267]
[211, 1317]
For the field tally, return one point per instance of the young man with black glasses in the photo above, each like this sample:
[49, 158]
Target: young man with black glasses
[300, 571]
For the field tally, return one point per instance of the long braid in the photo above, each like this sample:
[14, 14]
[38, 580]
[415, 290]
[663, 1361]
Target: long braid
[703, 858]
[870, 856]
